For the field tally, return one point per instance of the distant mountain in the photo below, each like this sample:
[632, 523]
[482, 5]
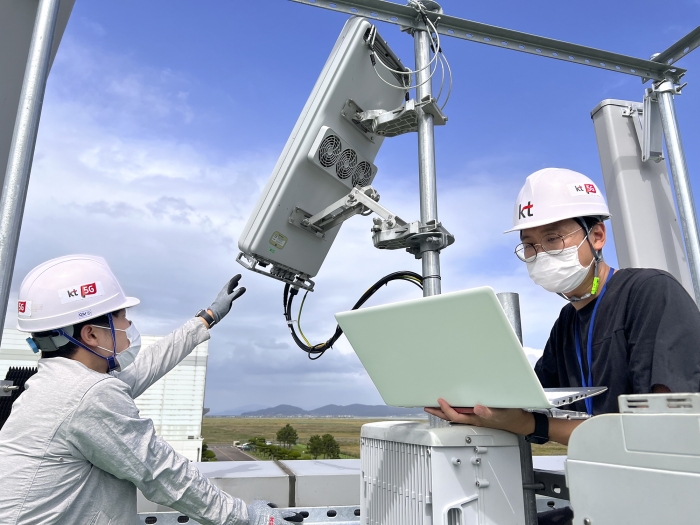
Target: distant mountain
[355, 410]
[238, 410]
[278, 411]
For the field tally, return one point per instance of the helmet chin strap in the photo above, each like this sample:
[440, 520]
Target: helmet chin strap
[112, 362]
[597, 257]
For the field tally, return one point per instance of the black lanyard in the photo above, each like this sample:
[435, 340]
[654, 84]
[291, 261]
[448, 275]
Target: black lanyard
[589, 345]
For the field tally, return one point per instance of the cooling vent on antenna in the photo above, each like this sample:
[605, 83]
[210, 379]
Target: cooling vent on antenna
[329, 151]
[339, 159]
[346, 164]
[362, 174]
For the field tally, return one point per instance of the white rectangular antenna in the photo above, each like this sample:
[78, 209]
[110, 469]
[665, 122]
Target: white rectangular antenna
[640, 197]
[328, 153]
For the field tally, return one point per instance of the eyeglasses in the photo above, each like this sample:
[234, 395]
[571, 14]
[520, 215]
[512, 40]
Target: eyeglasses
[551, 243]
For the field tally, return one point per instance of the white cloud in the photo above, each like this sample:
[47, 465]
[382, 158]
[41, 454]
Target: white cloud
[166, 209]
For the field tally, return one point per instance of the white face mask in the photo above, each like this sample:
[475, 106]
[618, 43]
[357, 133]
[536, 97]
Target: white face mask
[126, 357]
[561, 273]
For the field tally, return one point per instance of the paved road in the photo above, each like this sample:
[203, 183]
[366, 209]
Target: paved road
[230, 453]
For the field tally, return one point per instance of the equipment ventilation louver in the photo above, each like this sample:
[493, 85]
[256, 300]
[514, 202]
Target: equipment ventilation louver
[340, 160]
[363, 174]
[329, 151]
[346, 164]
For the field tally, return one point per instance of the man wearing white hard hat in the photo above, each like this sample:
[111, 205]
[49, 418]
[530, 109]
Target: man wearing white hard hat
[74, 448]
[632, 330]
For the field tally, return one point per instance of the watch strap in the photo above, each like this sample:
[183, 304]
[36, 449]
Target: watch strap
[541, 434]
[208, 318]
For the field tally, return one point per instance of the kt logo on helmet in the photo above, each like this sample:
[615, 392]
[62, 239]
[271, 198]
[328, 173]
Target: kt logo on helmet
[522, 209]
[588, 188]
[80, 292]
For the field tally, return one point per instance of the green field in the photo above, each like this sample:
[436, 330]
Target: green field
[345, 430]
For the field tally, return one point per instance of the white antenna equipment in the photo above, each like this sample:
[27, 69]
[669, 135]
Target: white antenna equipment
[329, 152]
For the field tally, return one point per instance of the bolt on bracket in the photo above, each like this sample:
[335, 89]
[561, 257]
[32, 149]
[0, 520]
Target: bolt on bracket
[7, 387]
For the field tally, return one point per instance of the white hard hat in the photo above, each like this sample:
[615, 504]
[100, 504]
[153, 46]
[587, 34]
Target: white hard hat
[555, 194]
[66, 291]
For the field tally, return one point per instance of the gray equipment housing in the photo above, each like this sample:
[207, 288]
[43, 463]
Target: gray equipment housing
[639, 193]
[320, 162]
[414, 474]
[640, 466]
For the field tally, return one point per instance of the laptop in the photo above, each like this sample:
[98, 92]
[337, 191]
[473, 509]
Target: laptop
[458, 346]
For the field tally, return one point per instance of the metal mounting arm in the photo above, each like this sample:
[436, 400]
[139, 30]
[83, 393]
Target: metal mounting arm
[358, 201]
[390, 232]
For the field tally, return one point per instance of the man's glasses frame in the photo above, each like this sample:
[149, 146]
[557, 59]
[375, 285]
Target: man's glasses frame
[552, 243]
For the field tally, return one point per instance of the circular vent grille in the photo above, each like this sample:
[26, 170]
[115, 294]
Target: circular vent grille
[328, 151]
[346, 163]
[362, 174]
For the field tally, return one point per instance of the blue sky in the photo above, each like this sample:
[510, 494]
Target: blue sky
[163, 120]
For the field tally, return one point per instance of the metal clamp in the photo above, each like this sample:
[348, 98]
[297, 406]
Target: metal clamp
[403, 119]
[667, 86]
[415, 237]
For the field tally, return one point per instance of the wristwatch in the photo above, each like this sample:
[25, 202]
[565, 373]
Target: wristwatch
[208, 318]
[541, 434]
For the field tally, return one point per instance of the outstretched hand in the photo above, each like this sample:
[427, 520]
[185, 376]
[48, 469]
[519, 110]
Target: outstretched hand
[511, 419]
[222, 304]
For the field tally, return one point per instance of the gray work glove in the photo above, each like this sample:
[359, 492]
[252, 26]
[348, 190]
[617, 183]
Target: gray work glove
[222, 304]
[262, 513]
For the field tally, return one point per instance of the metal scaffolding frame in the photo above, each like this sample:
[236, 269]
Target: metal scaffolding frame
[661, 69]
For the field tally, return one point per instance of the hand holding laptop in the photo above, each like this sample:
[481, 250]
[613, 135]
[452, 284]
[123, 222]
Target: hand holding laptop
[513, 420]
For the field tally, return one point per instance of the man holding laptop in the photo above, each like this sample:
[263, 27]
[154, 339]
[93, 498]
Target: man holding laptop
[632, 330]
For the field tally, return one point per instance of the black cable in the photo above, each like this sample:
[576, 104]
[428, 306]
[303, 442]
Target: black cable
[316, 351]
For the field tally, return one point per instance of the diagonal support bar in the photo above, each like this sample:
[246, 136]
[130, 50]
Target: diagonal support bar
[504, 38]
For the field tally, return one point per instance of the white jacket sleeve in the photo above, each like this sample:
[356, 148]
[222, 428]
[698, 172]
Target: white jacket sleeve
[156, 360]
[107, 431]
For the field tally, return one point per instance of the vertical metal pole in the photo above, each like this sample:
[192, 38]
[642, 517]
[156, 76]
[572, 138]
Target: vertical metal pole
[511, 306]
[426, 162]
[427, 178]
[681, 181]
[19, 163]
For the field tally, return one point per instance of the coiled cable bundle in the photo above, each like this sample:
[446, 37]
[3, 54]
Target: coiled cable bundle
[316, 351]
